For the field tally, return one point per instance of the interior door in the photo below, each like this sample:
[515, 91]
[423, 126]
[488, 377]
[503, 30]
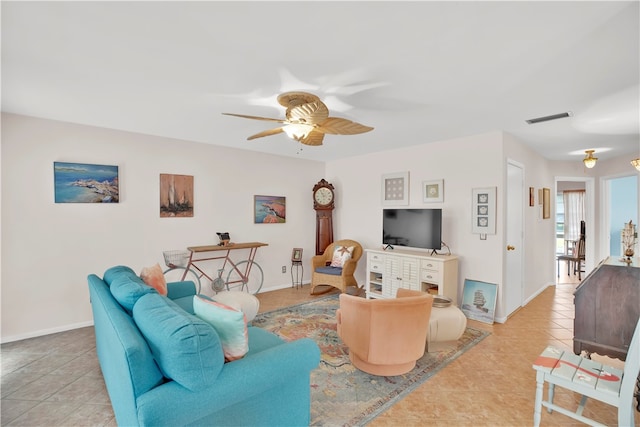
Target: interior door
[514, 253]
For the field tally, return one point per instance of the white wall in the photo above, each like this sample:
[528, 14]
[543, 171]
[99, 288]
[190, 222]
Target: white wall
[48, 249]
[462, 163]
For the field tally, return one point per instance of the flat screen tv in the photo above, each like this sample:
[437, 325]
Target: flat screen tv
[415, 228]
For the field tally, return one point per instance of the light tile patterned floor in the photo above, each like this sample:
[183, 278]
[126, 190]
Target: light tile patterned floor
[56, 380]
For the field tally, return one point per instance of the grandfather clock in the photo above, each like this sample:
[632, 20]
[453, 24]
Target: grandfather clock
[323, 198]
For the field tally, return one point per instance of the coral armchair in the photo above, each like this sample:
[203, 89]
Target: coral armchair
[385, 336]
[338, 277]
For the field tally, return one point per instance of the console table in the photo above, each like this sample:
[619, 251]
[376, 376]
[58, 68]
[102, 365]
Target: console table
[388, 270]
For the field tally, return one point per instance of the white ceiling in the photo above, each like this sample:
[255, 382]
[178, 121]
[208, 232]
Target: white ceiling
[417, 71]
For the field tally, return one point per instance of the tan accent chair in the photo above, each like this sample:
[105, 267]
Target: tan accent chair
[345, 278]
[385, 336]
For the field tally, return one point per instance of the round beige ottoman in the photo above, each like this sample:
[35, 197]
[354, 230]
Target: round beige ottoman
[446, 326]
[239, 300]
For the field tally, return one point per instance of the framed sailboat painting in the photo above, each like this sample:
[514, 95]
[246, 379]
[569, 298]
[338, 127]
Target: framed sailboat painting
[176, 195]
[479, 300]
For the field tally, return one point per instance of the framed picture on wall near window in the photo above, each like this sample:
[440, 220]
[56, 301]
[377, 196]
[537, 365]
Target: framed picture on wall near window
[546, 203]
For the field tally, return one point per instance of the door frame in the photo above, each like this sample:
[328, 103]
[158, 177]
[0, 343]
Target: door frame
[589, 217]
[605, 206]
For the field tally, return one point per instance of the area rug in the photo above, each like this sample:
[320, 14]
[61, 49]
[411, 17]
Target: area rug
[341, 395]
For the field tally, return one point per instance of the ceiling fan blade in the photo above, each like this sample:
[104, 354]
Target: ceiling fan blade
[311, 113]
[256, 118]
[266, 133]
[338, 126]
[314, 138]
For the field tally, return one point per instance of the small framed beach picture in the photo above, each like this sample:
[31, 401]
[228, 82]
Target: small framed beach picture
[270, 209]
[433, 191]
[296, 255]
[85, 183]
[479, 300]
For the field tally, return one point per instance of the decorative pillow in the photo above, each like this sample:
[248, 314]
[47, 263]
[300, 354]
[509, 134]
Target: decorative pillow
[187, 349]
[229, 323]
[341, 254]
[154, 277]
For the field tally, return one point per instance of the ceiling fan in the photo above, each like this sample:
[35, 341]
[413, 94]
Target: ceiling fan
[307, 120]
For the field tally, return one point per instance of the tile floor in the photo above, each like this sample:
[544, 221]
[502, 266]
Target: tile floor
[56, 380]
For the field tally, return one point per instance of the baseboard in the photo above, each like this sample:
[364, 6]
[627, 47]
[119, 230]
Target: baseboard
[283, 286]
[541, 290]
[43, 332]
[525, 302]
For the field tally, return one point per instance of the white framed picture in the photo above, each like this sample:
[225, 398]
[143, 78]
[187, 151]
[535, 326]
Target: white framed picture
[433, 191]
[483, 210]
[395, 189]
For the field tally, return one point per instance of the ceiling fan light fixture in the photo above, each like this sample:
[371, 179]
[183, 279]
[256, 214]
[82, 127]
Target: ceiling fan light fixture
[636, 163]
[589, 160]
[297, 131]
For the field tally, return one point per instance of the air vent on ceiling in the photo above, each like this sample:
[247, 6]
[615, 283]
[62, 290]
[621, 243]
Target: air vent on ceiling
[548, 118]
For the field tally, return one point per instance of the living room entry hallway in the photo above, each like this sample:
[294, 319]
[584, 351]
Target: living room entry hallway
[56, 380]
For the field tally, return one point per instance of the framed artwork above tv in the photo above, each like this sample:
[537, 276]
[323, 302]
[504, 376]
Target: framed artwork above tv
[395, 189]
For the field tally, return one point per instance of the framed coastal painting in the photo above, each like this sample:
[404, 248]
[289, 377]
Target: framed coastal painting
[85, 183]
[479, 300]
[270, 209]
[176, 196]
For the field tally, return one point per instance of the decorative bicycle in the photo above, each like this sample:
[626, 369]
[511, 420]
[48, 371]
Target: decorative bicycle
[245, 275]
[178, 270]
[241, 277]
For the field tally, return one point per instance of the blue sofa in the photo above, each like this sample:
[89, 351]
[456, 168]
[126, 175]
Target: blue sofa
[162, 365]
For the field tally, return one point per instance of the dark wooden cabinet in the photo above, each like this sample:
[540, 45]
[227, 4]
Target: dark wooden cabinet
[607, 308]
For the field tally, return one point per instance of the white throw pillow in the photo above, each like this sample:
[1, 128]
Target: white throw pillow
[229, 323]
[341, 254]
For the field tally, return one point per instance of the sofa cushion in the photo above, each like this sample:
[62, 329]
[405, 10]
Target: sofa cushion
[230, 324]
[186, 348]
[127, 288]
[153, 276]
[113, 272]
[341, 254]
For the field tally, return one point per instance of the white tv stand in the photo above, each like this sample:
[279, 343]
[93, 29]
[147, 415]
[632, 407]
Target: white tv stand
[388, 270]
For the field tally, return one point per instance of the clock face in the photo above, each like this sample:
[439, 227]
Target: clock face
[323, 196]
